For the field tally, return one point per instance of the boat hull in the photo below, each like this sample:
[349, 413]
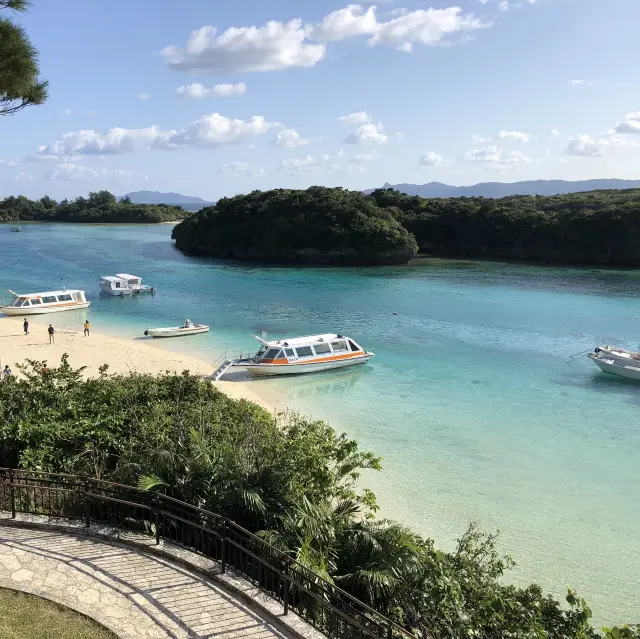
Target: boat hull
[41, 310]
[175, 331]
[116, 292]
[617, 367]
[265, 370]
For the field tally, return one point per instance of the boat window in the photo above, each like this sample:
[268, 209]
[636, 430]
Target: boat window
[272, 353]
[25, 303]
[35, 301]
[354, 347]
[339, 346]
[77, 297]
[65, 298]
[117, 284]
[289, 352]
[321, 348]
[304, 351]
[49, 300]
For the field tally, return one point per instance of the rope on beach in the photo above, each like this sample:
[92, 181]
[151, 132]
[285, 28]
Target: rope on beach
[67, 329]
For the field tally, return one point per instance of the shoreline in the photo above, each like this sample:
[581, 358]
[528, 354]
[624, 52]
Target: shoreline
[122, 354]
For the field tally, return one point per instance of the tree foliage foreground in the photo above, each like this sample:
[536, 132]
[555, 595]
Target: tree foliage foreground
[20, 83]
[291, 480]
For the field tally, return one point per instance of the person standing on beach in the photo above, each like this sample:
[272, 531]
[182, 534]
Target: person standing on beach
[51, 331]
[7, 372]
[87, 326]
[25, 326]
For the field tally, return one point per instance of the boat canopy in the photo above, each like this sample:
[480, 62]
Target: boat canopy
[132, 279]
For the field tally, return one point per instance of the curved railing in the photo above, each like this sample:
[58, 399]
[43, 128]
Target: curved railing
[329, 609]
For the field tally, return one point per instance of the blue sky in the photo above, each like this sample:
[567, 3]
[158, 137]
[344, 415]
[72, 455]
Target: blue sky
[350, 95]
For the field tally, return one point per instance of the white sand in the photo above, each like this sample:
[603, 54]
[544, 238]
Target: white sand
[122, 354]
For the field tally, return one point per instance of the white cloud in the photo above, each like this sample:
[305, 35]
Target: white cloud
[143, 96]
[240, 169]
[431, 159]
[368, 134]
[507, 136]
[514, 136]
[277, 45]
[23, 177]
[195, 90]
[630, 123]
[8, 163]
[271, 47]
[69, 171]
[364, 158]
[585, 83]
[288, 139]
[555, 132]
[351, 21]
[208, 131]
[495, 159]
[309, 164]
[66, 112]
[356, 118]
[585, 146]
[427, 27]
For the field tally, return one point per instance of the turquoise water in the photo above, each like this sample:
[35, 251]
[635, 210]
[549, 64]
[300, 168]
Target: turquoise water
[469, 400]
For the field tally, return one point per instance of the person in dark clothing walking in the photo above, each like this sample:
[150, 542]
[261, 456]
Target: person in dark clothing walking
[25, 326]
[51, 331]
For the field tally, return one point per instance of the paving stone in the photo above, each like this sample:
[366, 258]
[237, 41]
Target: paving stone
[133, 593]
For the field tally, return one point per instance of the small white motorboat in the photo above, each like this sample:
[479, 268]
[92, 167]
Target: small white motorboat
[124, 284]
[188, 328]
[616, 361]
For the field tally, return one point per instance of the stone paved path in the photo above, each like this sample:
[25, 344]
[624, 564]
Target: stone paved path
[134, 594]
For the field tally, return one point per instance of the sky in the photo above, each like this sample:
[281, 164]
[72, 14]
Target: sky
[212, 98]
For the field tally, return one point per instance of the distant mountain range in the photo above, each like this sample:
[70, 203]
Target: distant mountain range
[187, 202]
[432, 189]
[502, 189]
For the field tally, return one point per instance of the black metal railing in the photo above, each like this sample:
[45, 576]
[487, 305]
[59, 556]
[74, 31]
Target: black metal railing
[328, 608]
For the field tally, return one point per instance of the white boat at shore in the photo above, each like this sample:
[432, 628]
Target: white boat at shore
[299, 355]
[49, 302]
[124, 284]
[616, 361]
[188, 328]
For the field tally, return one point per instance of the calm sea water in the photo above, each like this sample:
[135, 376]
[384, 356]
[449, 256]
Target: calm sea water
[469, 400]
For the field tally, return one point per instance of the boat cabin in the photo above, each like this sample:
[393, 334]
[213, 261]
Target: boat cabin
[315, 347]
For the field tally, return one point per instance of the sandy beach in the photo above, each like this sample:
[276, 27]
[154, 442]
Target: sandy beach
[123, 355]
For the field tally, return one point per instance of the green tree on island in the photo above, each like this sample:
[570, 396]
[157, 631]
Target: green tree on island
[20, 83]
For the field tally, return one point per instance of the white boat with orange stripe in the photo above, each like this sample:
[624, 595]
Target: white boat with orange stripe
[305, 355]
[49, 302]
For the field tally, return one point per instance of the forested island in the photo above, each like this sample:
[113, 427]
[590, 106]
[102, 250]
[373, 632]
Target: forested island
[333, 225]
[291, 480]
[100, 207]
[316, 226]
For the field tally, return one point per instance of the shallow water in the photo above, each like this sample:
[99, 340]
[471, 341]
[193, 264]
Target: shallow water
[469, 399]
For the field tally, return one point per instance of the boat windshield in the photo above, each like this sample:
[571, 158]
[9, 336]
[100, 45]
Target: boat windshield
[272, 353]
